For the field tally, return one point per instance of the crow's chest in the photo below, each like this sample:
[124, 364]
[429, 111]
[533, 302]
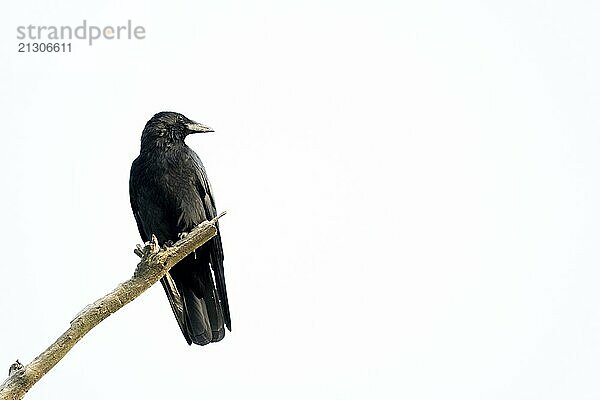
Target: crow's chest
[174, 184]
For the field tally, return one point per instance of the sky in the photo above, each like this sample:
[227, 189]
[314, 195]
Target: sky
[411, 192]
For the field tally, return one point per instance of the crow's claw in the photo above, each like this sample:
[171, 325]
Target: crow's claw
[182, 235]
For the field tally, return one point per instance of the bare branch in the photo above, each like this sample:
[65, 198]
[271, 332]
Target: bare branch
[155, 263]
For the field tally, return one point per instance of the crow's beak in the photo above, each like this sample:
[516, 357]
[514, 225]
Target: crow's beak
[194, 127]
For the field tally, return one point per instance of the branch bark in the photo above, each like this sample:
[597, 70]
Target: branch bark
[154, 264]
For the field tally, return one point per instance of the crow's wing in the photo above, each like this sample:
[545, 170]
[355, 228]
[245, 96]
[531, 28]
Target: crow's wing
[167, 281]
[215, 246]
[176, 302]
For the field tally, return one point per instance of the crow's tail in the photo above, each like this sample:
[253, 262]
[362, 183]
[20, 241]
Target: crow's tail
[204, 316]
[194, 299]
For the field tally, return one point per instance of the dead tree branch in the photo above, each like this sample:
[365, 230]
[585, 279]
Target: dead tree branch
[154, 264]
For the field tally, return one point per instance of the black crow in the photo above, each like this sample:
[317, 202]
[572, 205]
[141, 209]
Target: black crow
[170, 194]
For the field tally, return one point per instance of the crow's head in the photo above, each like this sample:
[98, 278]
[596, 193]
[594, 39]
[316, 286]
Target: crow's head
[169, 127]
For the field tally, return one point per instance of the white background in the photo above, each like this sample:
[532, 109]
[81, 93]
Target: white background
[412, 192]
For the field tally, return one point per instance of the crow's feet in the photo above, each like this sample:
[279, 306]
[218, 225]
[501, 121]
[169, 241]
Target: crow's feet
[16, 366]
[182, 235]
[149, 247]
